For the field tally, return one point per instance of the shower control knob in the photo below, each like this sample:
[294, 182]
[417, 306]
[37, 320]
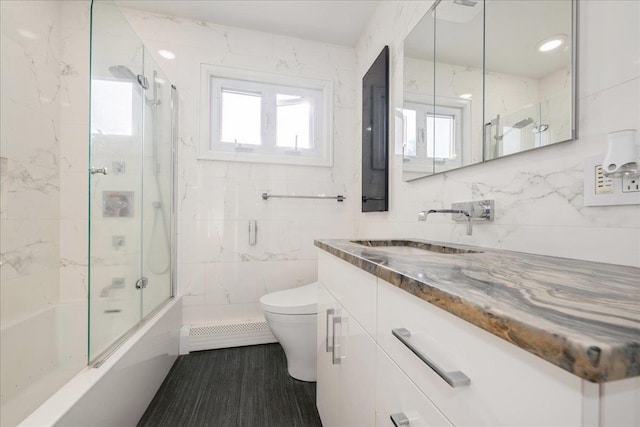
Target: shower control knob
[142, 282]
[103, 171]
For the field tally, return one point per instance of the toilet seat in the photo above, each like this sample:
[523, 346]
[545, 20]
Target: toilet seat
[301, 300]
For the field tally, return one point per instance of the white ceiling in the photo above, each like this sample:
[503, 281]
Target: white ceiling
[331, 21]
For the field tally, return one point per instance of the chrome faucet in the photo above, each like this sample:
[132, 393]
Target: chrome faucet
[422, 216]
[482, 210]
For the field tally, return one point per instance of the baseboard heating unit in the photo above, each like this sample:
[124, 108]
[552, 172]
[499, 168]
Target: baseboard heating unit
[209, 337]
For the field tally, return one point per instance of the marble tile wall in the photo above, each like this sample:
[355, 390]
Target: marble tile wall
[220, 275]
[29, 157]
[538, 195]
[74, 149]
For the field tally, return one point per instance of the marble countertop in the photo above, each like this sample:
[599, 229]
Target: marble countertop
[579, 315]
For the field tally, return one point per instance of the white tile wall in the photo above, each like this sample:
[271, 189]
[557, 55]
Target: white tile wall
[221, 276]
[538, 195]
[40, 220]
[29, 148]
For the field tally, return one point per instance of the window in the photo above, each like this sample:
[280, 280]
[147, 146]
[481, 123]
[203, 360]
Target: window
[241, 117]
[265, 118]
[111, 107]
[432, 136]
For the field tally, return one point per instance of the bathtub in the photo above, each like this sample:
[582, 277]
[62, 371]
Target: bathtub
[39, 354]
[118, 392]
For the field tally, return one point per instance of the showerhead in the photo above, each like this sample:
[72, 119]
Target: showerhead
[122, 73]
[523, 123]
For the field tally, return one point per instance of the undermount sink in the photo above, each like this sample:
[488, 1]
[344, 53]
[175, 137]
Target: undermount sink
[409, 247]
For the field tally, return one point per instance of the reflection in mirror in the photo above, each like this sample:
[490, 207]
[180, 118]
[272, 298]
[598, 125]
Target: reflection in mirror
[528, 75]
[466, 101]
[443, 90]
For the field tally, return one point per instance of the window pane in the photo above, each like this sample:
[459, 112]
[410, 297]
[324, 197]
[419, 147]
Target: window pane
[444, 136]
[293, 122]
[241, 117]
[409, 132]
[111, 107]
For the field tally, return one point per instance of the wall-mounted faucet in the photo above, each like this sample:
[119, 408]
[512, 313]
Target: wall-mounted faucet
[465, 211]
[422, 216]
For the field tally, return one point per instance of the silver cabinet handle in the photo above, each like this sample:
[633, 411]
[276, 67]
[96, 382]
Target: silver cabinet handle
[454, 379]
[328, 347]
[336, 360]
[400, 419]
[103, 171]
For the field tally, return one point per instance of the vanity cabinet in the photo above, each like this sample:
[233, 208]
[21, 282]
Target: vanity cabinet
[368, 377]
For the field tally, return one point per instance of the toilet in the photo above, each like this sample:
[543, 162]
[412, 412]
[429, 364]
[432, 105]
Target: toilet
[292, 316]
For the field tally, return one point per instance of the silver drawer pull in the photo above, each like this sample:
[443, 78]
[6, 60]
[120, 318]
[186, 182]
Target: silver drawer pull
[400, 419]
[328, 347]
[336, 359]
[454, 379]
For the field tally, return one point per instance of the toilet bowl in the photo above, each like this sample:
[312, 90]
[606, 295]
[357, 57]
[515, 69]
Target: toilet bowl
[292, 316]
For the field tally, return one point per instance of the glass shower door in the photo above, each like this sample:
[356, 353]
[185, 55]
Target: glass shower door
[157, 182]
[115, 181]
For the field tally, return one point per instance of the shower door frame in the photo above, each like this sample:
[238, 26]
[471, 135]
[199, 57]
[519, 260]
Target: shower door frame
[102, 355]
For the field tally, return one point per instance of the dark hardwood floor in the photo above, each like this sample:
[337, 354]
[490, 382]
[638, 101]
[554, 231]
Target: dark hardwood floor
[234, 387]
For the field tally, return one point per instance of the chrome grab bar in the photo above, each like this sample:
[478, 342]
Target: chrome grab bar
[454, 379]
[330, 312]
[339, 197]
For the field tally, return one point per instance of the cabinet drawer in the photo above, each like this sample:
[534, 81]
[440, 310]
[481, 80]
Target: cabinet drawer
[354, 288]
[508, 386]
[397, 396]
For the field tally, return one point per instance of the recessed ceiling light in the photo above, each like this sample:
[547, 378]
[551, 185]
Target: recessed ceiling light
[466, 96]
[552, 43]
[167, 54]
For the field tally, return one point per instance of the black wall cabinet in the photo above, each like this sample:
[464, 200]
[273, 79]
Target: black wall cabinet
[375, 135]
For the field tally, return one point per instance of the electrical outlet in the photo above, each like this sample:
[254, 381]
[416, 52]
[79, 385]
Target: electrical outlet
[630, 185]
[601, 190]
[603, 184]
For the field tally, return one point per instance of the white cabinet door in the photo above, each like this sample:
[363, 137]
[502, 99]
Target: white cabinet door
[327, 384]
[398, 398]
[356, 364]
[346, 367]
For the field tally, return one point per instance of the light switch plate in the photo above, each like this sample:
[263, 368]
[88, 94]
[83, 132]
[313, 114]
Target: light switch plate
[600, 190]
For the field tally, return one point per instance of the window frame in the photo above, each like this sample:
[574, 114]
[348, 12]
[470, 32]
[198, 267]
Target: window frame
[459, 108]
[215, 78]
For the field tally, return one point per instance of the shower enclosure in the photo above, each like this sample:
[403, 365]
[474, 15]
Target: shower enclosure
[131, 225]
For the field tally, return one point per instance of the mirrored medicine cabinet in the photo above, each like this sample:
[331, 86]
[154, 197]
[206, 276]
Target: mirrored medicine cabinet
[485, 79]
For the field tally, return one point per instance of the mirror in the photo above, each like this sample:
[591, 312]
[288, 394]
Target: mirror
[466, 101]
